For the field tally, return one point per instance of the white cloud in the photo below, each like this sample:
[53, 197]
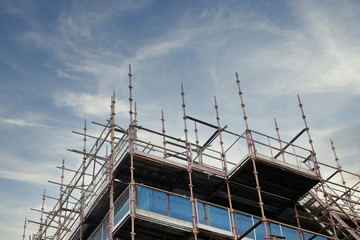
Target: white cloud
[33, 37]
[22, 122]
[12, 216]
[11, 224]
[15, 168]
[79, 27]
[317, 53]
[84, 104]
[159, 48]
[320, 53]
[27, 119]
[30, 177]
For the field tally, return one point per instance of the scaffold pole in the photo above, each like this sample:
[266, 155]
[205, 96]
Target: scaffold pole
[197, 143]
[82, 198]
[189, 168]
[111, 168]
[223, 158]
[279, 139]
[23, 236]
[61, 200]
[317, 170]
[252, 152]
[131, 149]
[347, 191]
[298, 223]
[42, 211]
[163, 132]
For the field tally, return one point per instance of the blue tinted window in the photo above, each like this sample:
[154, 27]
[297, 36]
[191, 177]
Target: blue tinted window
[160, 203]
[274, 229]
[243, 223]
[180, 208]
[121, 212]
[144, 197]
[219, 218]
[290, 233]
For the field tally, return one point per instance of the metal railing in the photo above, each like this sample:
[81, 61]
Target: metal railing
[235, 149]
[283, 151]
[212, 215]
[121, 211]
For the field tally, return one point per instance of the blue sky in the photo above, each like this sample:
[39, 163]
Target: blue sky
[60, 61]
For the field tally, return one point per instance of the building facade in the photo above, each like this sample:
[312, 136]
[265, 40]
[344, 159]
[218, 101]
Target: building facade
[209, 183]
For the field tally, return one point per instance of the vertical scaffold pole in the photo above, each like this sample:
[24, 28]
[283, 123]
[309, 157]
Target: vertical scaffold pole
[223, 160]
[107, 171]
[252, 152]
[317, 171]
[279, 139]
[197, 143]
[24, 229]
[131, 149]
[42, 211]
[135, 124]
[189, 168]
[301, 233]
[111, 167]
[108, 179]
[82, 199]
[163, 132]
[61, 199]
[347, 189]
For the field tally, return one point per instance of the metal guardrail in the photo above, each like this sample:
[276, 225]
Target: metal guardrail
[283, 151]
[209, 214]
[235, 147]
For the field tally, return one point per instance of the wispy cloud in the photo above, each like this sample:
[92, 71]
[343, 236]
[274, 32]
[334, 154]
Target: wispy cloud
[22, 122]
[158, 48]
[26, 119]
[97, 67]
[10, 216]
[318, 55]
[85, 104]
[15, 168]
[13, 212]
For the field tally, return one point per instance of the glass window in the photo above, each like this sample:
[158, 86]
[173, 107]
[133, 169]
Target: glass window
[243, 223]
[180, 208]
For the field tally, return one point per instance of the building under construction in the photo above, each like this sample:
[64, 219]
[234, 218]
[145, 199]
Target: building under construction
[209, 183]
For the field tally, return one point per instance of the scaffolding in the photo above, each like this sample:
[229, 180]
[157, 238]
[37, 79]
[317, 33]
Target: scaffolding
[152, 185]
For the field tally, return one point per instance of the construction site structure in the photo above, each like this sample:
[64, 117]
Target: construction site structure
[210, 183]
